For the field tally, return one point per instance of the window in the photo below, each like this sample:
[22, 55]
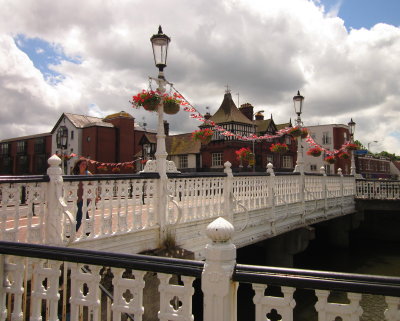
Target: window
[183, 161]
[288, 140]
[39, 146]
[21, 147]
[216, 159]
[22, 164]
[287, 161]
[5, 149]
[326, 140]
[72, 134]
[270, 159]
[313, 167]
[40, 164]
[328, 169]
[6, 165]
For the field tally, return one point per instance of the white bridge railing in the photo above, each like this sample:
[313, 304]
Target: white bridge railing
[378, 189]
[57, 283]
[42, 209]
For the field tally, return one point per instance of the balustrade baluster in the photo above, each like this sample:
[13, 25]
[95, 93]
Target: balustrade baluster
[331, 311]
[131, 284]
[85, 291]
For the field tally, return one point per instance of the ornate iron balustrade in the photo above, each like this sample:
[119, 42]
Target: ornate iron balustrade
[377, 189]
[50, 283]
[42, 209]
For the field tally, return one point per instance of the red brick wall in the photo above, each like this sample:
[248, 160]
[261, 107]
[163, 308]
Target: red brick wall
[340, 136]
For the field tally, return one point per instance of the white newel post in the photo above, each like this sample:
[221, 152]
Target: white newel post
[271, 193]
[228, 192]
[220, 293]
[54, 213]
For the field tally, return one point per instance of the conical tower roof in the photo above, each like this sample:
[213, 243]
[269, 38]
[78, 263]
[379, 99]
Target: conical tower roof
[228, 112]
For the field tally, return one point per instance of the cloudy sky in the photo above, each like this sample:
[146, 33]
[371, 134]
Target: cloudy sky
[89, 57]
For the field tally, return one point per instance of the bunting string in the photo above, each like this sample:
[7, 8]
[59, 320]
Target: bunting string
[195, 114]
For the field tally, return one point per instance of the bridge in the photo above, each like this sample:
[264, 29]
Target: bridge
[209, 214]
[137, 213]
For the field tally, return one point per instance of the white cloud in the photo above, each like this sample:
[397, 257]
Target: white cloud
[265, 50]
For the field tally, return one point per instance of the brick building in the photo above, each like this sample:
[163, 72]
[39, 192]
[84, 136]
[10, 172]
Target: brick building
[331, 137]
[370, 166]
[240, 121]
[113, 139]
[25, 155]
[117, 138]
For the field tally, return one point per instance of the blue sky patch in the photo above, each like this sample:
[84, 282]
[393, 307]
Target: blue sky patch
[44, 54]
[365, 13]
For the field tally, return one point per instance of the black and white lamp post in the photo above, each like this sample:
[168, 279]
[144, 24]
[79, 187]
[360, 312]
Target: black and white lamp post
[298, 106]
[160, 43]
[352, 127]
[62, 141]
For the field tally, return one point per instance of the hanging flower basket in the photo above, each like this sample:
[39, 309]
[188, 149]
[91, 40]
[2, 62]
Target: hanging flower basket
[279, 148]
[116, 170]
[304, 133]
[343, 155]
[244, 154]
[102, 168]
[148, 99]
[351, 147]
[295, 132]
[203, 135]
[129, 166]
[172, 103]
[330, 159]
[315, 151]
[171, 107]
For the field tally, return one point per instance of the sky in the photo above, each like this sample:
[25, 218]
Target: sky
[90, 57]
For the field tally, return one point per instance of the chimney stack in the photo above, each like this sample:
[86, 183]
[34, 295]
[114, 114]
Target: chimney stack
[166, 128]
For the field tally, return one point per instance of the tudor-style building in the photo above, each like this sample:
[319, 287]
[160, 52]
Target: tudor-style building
[240, 122]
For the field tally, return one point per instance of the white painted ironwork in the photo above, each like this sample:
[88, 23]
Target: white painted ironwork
[41, 284]
[259, 206]
[378, 189]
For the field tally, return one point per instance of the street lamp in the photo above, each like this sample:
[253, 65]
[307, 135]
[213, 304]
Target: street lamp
[352, 127]
[62, 140]
[298, 106]
[374, 141]
[160, 43]
[254, 132]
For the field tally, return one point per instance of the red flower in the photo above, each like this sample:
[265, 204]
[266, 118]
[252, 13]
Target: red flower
[315, 151]
[203, 135]
[279, 148]
[330, 159]
[244, 154]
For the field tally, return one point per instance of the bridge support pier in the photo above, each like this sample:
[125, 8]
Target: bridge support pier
[338, 230]
[281, 249]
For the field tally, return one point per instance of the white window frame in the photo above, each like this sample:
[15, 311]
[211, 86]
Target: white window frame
[326, 140]
[270, 159]
[287, 161]
[216, 160]
[183, 161]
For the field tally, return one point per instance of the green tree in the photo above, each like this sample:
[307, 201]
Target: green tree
[361, 146]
